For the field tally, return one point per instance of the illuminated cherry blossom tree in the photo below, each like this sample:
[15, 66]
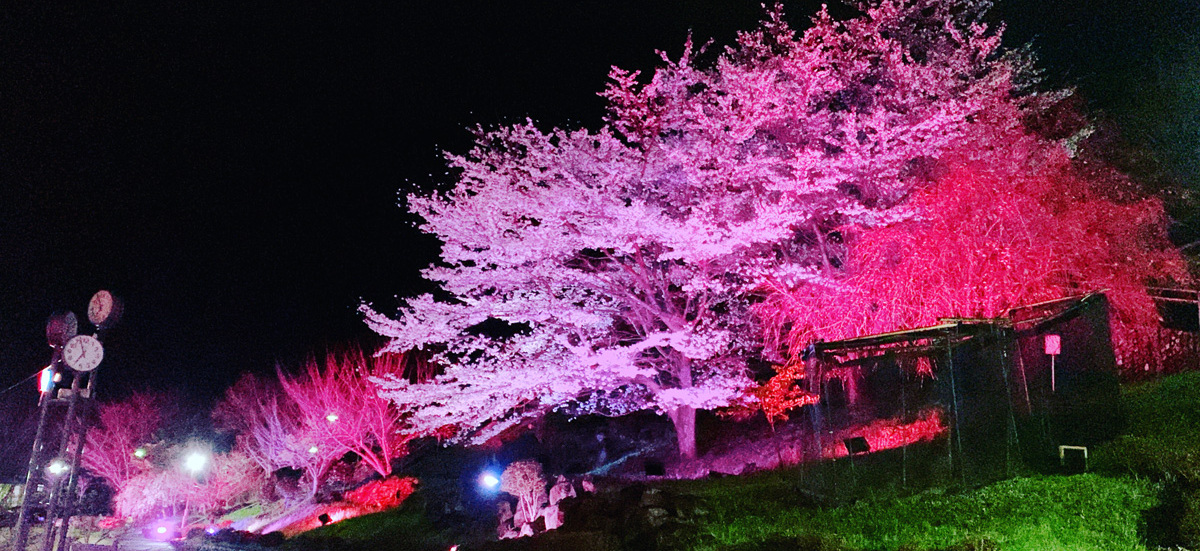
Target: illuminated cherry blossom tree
[614, 270]
[227, 480]
[152, 493]
[110, 451]
[341, 408]
[1012, 221]
[272, 431]
[231, 480]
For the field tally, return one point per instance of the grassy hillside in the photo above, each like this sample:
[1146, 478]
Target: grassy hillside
[1142, 493]
[1041, 512]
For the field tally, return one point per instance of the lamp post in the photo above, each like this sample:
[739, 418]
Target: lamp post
[195, 462]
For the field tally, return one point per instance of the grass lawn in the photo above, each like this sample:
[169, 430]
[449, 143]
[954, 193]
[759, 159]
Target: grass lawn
[1078, 512]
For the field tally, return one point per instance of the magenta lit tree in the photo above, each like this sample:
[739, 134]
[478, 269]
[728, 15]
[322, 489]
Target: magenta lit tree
[154, 492]
[1010, 219]
[122, 428]
[273, 432]
[341, 408]
[226, 481]
[231, 480]
[614, 270]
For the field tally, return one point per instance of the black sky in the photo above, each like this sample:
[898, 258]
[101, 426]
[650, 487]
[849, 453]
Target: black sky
[233, 172]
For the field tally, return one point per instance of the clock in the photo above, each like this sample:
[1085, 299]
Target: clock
[83, 353]
[61, 327]
[103, 309]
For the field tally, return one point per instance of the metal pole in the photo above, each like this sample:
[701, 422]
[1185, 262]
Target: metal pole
[74, 472]
[957, 425]
[904, 412]
[23, 516]
[1053, 376]
[56, 486]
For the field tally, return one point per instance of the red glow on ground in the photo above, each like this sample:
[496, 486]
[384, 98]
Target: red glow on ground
[373, 497]
[886, 434]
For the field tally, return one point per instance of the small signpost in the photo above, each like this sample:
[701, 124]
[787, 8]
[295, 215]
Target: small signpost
[1053, 349]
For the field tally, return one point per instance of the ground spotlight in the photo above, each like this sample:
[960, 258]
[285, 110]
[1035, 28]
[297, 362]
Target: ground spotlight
[489, 480]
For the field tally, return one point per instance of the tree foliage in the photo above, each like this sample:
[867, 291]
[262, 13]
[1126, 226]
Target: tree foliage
[164, 488]
[860, 176]
[272, 431]
[1010, 215]
[626, 260]
[121, 428]
[340, 408]
[309, 420]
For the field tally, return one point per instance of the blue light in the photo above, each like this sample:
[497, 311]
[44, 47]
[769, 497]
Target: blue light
[489, 480]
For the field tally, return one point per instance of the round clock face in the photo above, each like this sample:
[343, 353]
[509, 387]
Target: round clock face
[61, 327]
[100, 307]
[83, 353]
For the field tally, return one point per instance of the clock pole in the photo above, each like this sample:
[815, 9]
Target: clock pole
[56, 496]
[82, 354]
[74, 472]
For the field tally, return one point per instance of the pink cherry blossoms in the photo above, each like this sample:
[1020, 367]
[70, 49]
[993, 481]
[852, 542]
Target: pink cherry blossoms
[639, 265]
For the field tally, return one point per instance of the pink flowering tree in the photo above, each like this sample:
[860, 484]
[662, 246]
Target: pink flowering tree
[273, 432]
[1012, 219]
[232, 479]
[341, 409]
[1017, 212]
[614, 270]
[227, 481]
[110, 451]
[154, 492]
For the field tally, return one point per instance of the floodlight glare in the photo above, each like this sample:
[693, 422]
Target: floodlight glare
[195, 462]
[58, 467]
[332, 417]
[139, 453]
[313, 449]
[489, 480]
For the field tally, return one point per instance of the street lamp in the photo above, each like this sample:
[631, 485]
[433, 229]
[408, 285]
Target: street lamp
[194, 463]
[58, 467]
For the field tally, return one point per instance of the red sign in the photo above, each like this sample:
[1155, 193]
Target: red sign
[1053, 345]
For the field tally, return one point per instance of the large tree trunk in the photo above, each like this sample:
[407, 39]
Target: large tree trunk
[684, 419]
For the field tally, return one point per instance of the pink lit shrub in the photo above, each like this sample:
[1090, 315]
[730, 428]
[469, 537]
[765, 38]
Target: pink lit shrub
[524, 480]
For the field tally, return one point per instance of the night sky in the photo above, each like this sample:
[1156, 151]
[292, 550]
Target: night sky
[234, 174]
